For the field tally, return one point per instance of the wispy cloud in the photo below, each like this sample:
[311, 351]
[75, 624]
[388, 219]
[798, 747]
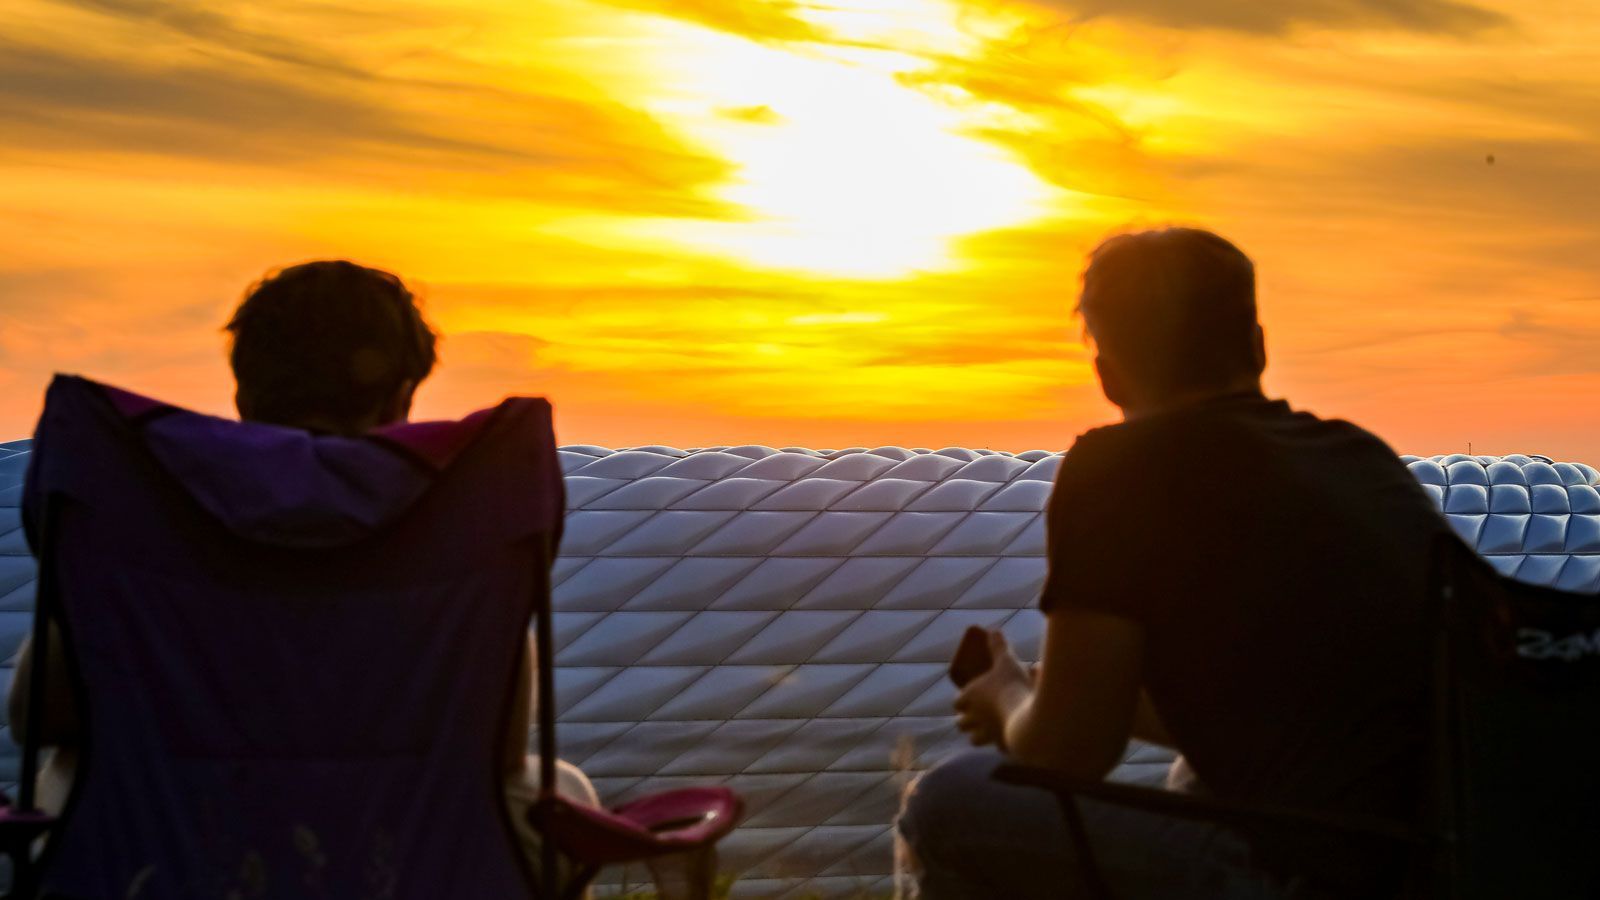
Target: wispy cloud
[207, 24]
[755, 115]
[1564, 335]
[536, 167]
[254, 96]
[762, 20]
[62, 99]
[1439, 16]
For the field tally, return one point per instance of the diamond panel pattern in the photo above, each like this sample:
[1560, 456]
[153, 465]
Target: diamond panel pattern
[779, 620]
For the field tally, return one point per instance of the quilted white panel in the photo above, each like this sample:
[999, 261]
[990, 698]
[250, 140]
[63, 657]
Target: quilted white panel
[803, 604]
[779, 620]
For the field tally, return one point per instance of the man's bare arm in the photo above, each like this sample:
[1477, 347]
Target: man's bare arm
[521, 712]
[58, 723]
[1147, 725]
[1084, 706]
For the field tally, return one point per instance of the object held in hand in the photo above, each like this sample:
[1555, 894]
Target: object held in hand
[972, 656]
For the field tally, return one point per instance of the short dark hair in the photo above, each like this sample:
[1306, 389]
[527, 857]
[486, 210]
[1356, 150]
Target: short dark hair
[331, 340]
[1173, 308]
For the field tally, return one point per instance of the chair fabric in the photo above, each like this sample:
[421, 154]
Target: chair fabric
[1517, 674]
[780, 620]
[296, 652]
[677, 821]
[1526, 685]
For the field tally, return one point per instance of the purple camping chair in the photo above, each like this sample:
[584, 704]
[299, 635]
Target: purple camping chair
[295, 655]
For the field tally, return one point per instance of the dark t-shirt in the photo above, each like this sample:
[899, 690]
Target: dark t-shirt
[1278, 564]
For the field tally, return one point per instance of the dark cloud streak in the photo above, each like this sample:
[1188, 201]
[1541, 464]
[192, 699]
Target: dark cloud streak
[208, 25]
[92, 101]
[1279, 16]
[760, 20]
[1566, 343]
[580, 150]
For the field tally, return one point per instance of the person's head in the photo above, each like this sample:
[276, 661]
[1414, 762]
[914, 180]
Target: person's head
[1172, 313]
[331, 346]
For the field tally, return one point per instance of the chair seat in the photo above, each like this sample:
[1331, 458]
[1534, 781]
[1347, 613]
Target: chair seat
[16, 825]
[18, 832]
[655, 825]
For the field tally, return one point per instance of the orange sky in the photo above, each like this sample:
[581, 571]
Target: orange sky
[849, 222]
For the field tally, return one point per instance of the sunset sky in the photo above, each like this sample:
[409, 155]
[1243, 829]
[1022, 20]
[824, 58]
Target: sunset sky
[834, 223]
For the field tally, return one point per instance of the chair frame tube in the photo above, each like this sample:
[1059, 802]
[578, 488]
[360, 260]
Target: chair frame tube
[24, 869]
[544, 653]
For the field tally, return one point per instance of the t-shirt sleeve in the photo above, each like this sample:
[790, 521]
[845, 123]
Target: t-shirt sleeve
[1102, 529]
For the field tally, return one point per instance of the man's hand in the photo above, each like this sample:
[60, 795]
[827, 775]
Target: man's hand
[987, 702]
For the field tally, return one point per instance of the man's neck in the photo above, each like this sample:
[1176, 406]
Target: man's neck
[1188, 399]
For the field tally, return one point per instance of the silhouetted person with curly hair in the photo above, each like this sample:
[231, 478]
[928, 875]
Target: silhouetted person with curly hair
[331, 347]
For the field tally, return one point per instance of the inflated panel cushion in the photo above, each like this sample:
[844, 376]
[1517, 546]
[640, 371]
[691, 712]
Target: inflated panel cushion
[780, 620]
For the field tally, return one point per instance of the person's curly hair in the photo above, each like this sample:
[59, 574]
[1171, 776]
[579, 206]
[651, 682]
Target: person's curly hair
[327, 341]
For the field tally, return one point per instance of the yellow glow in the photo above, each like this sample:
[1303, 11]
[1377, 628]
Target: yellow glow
[843, 169]
[938, 26]
[848, 318]
[820, 222]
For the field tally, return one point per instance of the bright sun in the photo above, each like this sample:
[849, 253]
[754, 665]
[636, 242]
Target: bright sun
[842, 169]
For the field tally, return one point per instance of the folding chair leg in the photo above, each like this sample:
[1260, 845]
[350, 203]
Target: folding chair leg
[1093, 882]
[19, 847]
[19, 886]
[685, 876]
[579, 882]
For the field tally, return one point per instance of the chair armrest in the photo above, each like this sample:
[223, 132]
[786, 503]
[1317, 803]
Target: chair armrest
[659, 824]
[18, 831]
[1206, 809]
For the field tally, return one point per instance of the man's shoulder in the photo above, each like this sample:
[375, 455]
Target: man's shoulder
[1147, 440]
[1240, 436]
[1110, 449]
[1129, 436]
[1114, 467]
[1342, 472]
[1350, 443]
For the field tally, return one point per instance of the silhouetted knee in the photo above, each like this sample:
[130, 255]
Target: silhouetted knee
[941, 803]
[570, 783]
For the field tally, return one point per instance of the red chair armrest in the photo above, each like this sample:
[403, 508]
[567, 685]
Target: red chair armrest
[655, 825]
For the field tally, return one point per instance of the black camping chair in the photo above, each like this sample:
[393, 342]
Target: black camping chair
[1516, 690]
[682, 826]
[675, 824]
[675, 831]
[21, 822]
[1518, 784]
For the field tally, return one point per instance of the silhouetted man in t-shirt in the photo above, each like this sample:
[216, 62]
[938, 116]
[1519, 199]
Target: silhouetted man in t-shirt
[1227, 577]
